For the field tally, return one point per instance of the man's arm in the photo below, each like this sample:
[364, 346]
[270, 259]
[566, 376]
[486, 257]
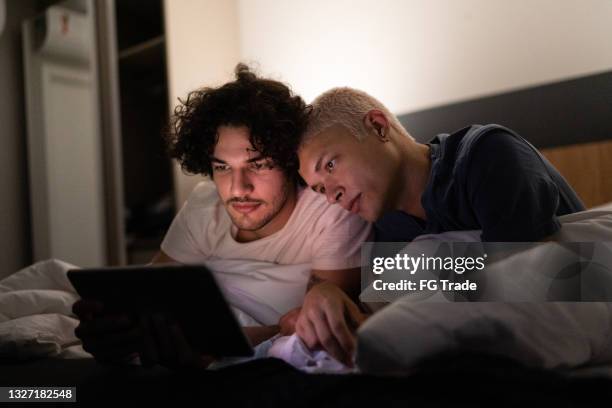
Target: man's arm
[328, 316]
[348, 280]
[162, 258]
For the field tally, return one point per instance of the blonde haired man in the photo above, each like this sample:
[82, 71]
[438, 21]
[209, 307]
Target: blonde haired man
[487, 178]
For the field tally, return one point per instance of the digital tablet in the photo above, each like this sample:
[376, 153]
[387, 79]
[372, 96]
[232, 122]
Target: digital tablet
[188, 294]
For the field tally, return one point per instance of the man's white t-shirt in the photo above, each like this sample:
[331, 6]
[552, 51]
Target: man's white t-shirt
[326, 236]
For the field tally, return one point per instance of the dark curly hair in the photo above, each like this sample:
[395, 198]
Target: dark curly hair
[275, 117]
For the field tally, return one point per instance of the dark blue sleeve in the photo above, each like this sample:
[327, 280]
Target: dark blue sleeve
[510, 190]
[397, 226]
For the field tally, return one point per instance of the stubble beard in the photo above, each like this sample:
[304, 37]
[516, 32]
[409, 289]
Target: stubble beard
[245, 223]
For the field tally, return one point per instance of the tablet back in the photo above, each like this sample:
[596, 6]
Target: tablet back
[187, 294]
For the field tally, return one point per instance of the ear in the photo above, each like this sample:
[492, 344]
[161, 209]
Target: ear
[376, 122]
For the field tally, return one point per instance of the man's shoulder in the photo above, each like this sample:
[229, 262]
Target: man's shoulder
[492, 142]
[484, 136]
[318, 212]
[317, 204]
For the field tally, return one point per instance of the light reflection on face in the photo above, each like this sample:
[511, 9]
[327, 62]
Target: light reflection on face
[256, 194]
[355, 174]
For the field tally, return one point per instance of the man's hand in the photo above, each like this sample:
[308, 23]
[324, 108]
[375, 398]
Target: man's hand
[109, 338]
[288, 320]
[328, 319]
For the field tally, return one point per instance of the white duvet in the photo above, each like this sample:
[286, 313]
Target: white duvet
[562, 336]
[35, 313]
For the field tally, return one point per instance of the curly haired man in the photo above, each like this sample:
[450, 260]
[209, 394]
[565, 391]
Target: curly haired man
[244, 135]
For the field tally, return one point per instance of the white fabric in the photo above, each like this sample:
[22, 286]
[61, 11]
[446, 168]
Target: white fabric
[292, 350]
[263, 290]
[602, 207]
[36, 317]
[546, 335]
[324, 235]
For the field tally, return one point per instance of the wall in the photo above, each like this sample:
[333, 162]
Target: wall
[411, 54]
[202, 50]
[15, 250]
[414, 54]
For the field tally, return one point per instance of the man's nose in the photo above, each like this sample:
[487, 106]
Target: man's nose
[241, 184]
[334, 193]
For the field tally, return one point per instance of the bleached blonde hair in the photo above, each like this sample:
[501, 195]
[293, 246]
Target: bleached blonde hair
[346, 107]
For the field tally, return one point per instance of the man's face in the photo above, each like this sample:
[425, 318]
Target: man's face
[255, 193]
[356, 174]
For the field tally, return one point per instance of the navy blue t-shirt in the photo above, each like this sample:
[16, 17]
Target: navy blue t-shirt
[486, 178]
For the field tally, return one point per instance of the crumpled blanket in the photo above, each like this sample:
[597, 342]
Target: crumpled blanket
[36, 317]
[294, 351]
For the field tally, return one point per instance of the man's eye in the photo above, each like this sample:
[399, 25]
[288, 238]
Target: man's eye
[220, 167]
[322, 190]
[330, 165]
[261, 165]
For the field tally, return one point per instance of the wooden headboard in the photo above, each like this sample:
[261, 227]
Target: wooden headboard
[587, 167]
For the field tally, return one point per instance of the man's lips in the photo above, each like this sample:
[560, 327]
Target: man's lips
[354, 205]
[245, 207]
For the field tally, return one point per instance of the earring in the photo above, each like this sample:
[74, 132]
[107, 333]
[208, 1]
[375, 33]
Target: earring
[381, 134]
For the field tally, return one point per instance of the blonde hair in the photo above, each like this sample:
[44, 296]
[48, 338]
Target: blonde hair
[346, 107]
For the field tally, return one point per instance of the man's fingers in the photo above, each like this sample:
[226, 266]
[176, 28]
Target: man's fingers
[306, 331]
[288, 321]
[354, 315]
[341, 332]
[341, 344]
[327, 339]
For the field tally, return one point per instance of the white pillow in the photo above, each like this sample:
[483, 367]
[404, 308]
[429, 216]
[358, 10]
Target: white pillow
[545, 335]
